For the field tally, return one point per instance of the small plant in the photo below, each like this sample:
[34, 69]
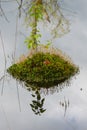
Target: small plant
[48, 12]
[43, 70]
[36, 12]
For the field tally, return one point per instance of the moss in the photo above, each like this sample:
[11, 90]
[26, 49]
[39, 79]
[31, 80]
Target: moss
[43, 70]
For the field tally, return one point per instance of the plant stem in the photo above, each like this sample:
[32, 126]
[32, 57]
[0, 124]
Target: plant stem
[34, 28]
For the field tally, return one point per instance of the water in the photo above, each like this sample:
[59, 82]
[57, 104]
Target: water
[66, 109]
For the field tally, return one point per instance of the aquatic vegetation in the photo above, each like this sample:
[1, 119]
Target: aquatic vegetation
[43, 70]
[37, 103]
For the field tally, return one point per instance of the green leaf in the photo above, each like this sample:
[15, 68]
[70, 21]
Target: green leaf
[33, 95]
[32, 105]
[42, 110]
[34, 101]
[36, 107]
[30, 45]
[37, 113]
[38, 97]
[39, 104]
[33, 110]
[42, 101]
[37, 92]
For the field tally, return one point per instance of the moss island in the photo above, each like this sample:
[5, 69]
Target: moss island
[43, 69]
[47, 67]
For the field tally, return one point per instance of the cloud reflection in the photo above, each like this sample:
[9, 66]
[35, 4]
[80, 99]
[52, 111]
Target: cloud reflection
[75, 45]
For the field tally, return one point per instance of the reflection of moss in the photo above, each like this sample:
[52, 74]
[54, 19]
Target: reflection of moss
[43, 69]
[37, 103]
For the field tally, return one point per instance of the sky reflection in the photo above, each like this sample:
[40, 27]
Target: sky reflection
[75, 45]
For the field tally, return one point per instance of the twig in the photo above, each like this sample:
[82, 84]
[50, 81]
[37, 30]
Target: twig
[3, 13]
[16, 32]
[4, 61]
[18, 96]
[20, 6]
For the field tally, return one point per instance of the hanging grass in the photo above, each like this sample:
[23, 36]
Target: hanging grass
[43, 69]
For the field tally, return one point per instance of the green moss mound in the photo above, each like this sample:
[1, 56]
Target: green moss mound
[43, 70]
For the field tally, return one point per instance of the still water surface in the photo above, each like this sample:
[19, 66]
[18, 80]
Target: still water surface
[66, 108]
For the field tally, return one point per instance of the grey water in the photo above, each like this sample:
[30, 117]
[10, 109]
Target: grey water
[66, 108]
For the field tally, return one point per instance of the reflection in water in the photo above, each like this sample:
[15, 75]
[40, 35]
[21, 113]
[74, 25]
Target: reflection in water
[37, 103]
[65, 104]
